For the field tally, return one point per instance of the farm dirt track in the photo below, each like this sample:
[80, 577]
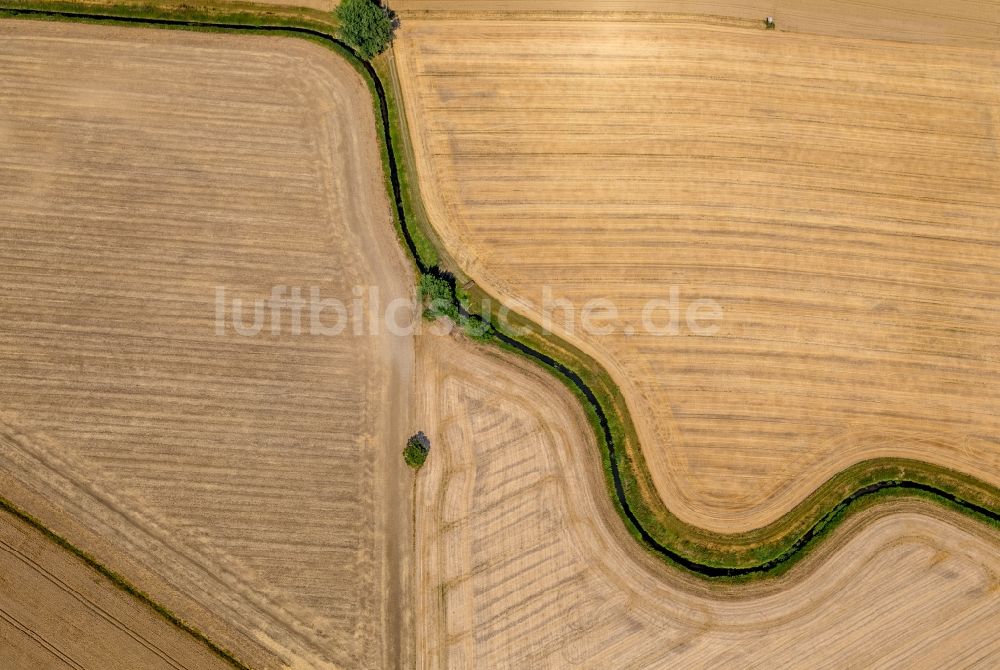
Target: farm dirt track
[48, 596]
[522, 562]
[259, 476]
[838, 197]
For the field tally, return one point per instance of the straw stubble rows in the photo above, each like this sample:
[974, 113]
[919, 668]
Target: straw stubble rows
[54, 613]
[523, 562]
[258, 475]
[837, 197]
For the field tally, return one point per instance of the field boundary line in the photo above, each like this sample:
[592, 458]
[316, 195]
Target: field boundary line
[121, 582]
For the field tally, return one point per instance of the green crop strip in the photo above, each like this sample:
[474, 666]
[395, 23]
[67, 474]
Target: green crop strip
[762, 552]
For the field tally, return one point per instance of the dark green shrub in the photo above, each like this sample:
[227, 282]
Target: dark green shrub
[417, 448]
[476, 329]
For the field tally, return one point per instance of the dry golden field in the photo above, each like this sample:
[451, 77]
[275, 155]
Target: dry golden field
[522, 562]
[960, 23]
[260, 476]
[56, 612]
[838, 198]
[841, 207]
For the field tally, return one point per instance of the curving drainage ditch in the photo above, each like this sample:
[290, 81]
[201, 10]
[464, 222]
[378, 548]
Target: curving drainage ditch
[539, 356]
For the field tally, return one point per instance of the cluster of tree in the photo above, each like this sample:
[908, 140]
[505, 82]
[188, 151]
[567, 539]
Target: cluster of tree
[366, 25]
[435, 295]
[439, 302]
[417, 448]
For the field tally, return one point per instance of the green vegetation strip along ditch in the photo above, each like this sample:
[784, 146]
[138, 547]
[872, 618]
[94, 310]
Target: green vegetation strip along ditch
[766, 551]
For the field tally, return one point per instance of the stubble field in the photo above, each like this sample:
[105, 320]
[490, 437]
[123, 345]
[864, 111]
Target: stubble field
[522, 562]
[837, 197]
[960, 23]
[258, 476]
[56, 613]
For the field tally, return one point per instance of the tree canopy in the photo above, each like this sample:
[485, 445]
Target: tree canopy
[366, 25]
[417, 448]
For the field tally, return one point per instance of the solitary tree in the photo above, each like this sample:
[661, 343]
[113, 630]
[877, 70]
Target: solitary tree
[366, 25]
[416, 450]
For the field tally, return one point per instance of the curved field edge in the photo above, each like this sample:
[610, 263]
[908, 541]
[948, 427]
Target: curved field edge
[118, 580]
[764, 552]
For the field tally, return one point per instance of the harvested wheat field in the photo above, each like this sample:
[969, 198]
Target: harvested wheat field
[259, 476]
[961, 23]
[837, 198]
[523, 563]
[56, 612]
